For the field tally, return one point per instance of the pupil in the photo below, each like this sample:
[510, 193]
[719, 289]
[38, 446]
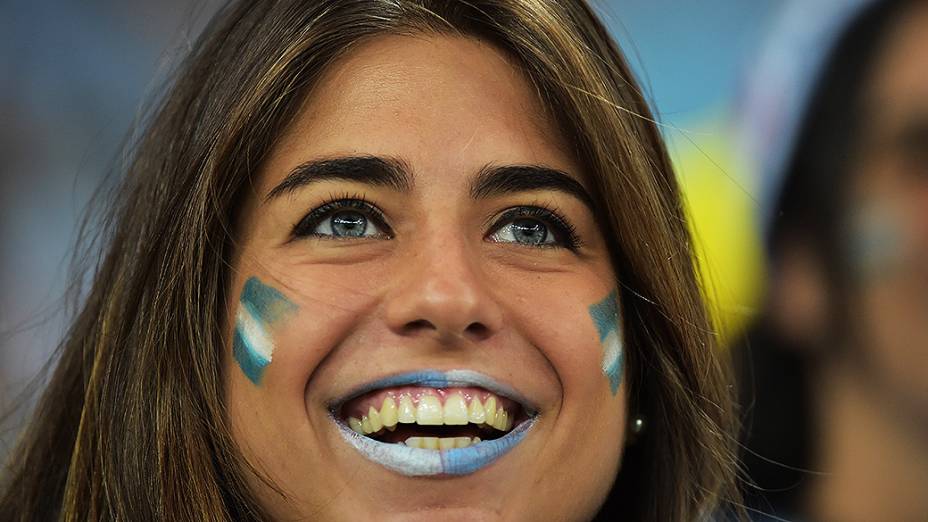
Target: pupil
[529, 231]
[348, 224]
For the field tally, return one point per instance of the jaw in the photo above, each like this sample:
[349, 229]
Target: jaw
[335, 480]
[481, 482]
[524, 483]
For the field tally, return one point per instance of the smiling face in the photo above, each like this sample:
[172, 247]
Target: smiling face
[419, 246]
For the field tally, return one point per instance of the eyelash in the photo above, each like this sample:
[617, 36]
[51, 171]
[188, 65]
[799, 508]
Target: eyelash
[309, 222]
[563, 230]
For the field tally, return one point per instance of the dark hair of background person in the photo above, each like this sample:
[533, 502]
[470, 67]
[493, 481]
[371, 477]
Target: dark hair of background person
[774, 373]
[133, 425]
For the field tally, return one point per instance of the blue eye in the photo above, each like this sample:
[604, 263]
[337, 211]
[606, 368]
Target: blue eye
[344, 219]
[345, 224]
[524, 231]
[535, 227]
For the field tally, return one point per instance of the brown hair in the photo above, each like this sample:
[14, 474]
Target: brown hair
[133, 424]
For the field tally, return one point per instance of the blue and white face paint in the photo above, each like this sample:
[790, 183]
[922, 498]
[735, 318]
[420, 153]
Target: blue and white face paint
[877, 243]
[260, 307]
[605, 315]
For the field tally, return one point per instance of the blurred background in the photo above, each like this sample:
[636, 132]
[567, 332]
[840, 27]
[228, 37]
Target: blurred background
[727, 80]
[73, 77]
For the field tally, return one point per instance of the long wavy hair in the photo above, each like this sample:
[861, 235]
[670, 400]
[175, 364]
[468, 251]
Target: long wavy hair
[133, 425]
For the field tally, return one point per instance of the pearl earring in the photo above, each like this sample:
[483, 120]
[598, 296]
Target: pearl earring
[636, 428]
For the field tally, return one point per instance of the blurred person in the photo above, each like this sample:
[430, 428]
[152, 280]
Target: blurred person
[836, 379]
[405, 259]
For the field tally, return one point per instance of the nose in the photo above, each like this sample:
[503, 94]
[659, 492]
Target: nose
[441, 292]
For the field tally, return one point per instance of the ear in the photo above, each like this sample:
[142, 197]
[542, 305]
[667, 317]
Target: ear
[798, 294]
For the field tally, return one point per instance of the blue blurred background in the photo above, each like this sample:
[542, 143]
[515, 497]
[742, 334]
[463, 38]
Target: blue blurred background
[73, 76]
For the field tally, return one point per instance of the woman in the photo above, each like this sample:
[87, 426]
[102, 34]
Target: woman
[420, 259]
[839, 356]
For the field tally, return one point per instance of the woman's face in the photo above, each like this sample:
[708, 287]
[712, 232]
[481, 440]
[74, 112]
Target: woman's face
[419, 268]
[889, 218]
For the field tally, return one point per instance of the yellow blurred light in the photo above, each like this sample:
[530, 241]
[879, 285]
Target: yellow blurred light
[722, 209]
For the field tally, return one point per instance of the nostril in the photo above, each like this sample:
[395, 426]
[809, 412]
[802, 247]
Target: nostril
[420, 324]
[477, 330]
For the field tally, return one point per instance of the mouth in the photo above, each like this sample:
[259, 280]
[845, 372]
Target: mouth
[434, 423]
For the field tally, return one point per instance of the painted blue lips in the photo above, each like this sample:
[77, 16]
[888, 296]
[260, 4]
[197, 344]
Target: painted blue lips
[446, 379]
[417, 462]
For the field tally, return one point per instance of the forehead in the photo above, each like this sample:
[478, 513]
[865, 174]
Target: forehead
[900, 79]
[442, 104]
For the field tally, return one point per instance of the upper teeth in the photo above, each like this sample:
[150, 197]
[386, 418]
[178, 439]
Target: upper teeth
[429, 411]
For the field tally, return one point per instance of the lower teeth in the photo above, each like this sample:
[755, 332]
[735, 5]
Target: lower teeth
[440, 443]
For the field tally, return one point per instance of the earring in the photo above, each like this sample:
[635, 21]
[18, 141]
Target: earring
[636, 427]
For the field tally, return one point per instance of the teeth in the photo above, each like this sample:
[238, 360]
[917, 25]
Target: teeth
[429, 411]
[407, 412]
[491, 411]
[443, 443]
[502, 418]
[476, 413]
[455, 410]
[374, 416]
[388, 414]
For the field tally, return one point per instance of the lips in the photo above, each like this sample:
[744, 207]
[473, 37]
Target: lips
[434, 423]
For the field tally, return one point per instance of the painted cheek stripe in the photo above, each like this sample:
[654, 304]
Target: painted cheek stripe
[605, 316]
[252, 346]
[260, 306]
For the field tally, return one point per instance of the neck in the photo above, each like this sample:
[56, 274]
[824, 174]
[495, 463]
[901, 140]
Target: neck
[875, 463]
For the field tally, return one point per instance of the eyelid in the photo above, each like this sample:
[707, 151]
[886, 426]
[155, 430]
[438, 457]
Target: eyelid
[303, 228]
[565, 231]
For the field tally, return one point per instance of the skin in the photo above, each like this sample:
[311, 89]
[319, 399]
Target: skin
[872, 400]
[889, 198]
[439, 294]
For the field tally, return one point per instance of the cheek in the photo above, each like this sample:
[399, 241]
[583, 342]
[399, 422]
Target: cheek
[888, 248]
[592, 370]
[280, 344]
[605, 316]
[574, 323]
[877, 236]
[580, 333]
[321, 314]
[259, 313]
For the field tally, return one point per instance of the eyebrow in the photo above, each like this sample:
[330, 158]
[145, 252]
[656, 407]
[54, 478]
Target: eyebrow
[508, 179]
[492, 180]
[370, 170]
